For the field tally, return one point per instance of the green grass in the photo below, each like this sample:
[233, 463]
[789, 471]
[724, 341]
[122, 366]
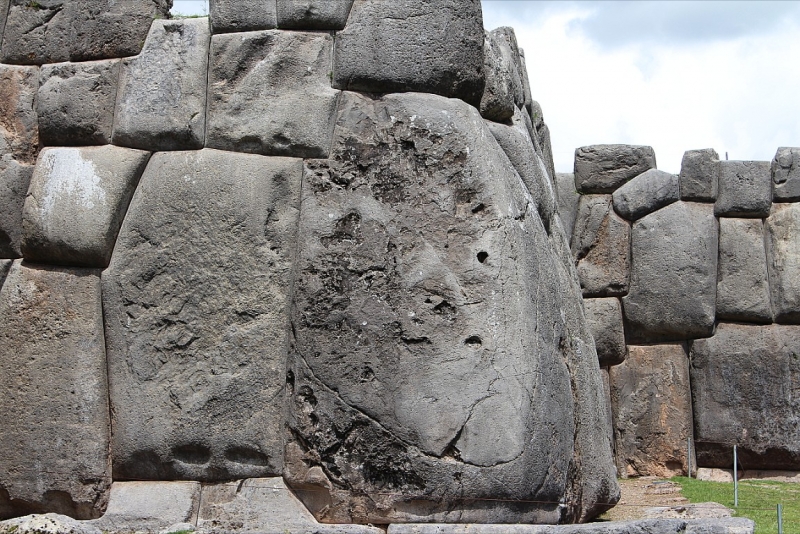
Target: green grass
[757, 500]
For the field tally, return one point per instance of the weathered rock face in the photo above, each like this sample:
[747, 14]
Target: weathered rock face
[76, 202]
[699, 175]
[603, 168]
[601, 247]
[435, 332]
[745, 189]
[237, 16]
[744, 385]
[497, 102]
[652, 405]
[19, 129]
[742, 284]
[568, 199]
[783, 262]
[14, 181]
[786, 175]
[673, 275]
[52, 31]
[648, 192]
[604, 317]
[432, 46]
[270, 93]
[195, 300]
[54, 409]
[162, 97]
[75, 103]
[313, 14]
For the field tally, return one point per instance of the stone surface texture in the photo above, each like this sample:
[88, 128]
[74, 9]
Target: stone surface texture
[783, 262]
[742, 280]
[497, 102]
[431, 46]
[195, 302]
[19, 127]
[648, 192]
[745, 189]
[75, 103]
[149, 506]
[727, 525]
[601, 247]
[54, 409]
[652, 403]
[785, 169]
[47, 524]
[699, 175]
[313, 14]
[53, 31]
[76, 203]
[270, 93]
[436, 332]
[744, 387]
[604, 168]
[673, 286]
[568, 200]
[237, 16]
[162, 96]
[604, 316]
[14, 181]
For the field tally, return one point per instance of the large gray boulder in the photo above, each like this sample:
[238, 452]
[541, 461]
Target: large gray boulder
[648, 192]
[601, 248]
[786, 175]
[15, 179]
[497, 102]
[313, 14]
[52, 31]
[195, 301]
[783, 261]
[745, 189]
[237, 16]
[604, 168]
[19, 129]
[76, 202]
[270, 93]
[54, 412]
[568, 200]
[604, 317]
[430, 46]
[652, 404]
[742, 280]
[75, 103]
[162, 96]
[744, 383]
[436, 332]
[699, 175]
[673, 287]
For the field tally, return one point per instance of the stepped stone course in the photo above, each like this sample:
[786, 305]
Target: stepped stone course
[648, 192]
[745, 189]
[699, 175]
[237, 16]
[786, 175]
[195, 301]
[783, 262]
[75, 102]
[604, 168]
[313, 14]
[743, 292]
[76, 202]
[432, 46]
[54, 409]
[162, 97]
[270, 93]
[604, 316]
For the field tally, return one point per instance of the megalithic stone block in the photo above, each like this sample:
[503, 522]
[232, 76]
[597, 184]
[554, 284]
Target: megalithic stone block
[76, 203]
[195, 301]
[648, 192]
[568, 199]
[54, 411]
[19, 129]
[652, 403]
[604, 168]
[786, 175]
[162, 97]
[4, 5]
[604, 317]
[743, 284]
[497, 102]
[783, 262]
[673, 287]
[238, 16]
[427, 46]
[699, 175]
[75, 103]
[270, 93]
[745, 189]
[15, 179]
[313, 14]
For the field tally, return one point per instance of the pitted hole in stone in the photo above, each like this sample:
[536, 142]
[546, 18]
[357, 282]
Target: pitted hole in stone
[192, 453]
[290, 380]
[479, 208]
[367, 374]
[473, 342]
[246, 455]
[482, 256]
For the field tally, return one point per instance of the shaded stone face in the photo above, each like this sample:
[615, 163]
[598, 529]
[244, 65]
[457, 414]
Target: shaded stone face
[195, 301]
[783, 262]
[19, 129]
[237, 16]
[420, 355]
[745, 189]
[14, 181]
[786, 175]
[604, 168]
[699, 175]
[648, 192]
[313, 14]
[54, 411]
[604, 316]
[742, 284]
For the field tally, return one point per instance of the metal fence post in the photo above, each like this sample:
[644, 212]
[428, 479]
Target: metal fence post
[780, 519]
[735, 478]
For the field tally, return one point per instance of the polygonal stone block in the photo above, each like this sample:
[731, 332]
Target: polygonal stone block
[648, 192]
[604, 168]
[604, 317]
[699, 175]
[149, 506]
[568, 200]
[14, 182]
[504, 91]
[786, 175]
[75, 103]
[238, 16]
[745, 189]
[742, 280]
[19, 129]
[162, 96]
[313, 14]
[76, 202]
[270, 93]
[783, 262]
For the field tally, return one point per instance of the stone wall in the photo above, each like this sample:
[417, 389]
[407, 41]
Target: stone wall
[690, 283]
[313, 240]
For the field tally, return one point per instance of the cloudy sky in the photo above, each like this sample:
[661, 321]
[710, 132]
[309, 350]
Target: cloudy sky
[674, 75]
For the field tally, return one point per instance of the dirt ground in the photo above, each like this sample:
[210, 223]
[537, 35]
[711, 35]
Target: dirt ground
[639, 494]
